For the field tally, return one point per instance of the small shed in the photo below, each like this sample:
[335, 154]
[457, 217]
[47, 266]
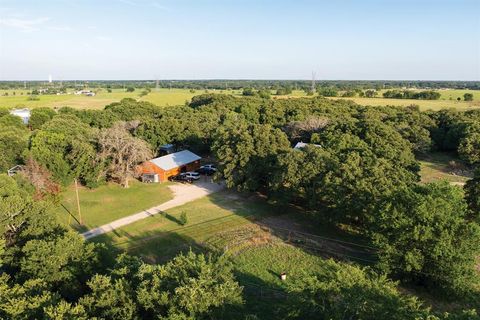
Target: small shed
[171, 165]
[22, 113]
[301, 145]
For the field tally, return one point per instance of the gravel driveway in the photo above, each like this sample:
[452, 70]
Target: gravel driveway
[182, 193]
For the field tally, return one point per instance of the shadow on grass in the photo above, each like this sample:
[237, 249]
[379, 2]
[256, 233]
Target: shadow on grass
[296, 227]
[152, 246]
[290, 224]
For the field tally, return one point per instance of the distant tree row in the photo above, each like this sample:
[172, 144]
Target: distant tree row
[409, 94]
[341, 85]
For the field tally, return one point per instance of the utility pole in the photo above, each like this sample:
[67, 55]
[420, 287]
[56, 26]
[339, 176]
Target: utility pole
[313, 82]
[78, 202]
[156, 85]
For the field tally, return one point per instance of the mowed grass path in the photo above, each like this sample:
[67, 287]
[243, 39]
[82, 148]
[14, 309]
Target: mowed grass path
[110, 202]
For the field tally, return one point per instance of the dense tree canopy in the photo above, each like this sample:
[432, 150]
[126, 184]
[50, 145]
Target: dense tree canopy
[424, 235]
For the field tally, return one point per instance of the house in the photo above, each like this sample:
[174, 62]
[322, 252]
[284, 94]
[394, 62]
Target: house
[301, 145]
[169, 165]
[87, 93]
[22, 113]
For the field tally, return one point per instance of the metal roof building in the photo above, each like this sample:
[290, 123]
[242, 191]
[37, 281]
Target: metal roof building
[171, 164]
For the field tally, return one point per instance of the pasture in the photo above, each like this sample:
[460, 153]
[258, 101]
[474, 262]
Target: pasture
[170, 97]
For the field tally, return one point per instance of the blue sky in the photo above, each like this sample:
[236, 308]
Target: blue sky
[243, 39]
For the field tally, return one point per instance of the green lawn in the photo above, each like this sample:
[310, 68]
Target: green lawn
[110, 202]
[435, 166]
[214, 222]
[161, 236]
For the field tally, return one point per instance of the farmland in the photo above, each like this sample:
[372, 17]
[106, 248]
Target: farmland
[170, 97]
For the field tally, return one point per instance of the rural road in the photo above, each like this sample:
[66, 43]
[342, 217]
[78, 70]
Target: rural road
[182, 193]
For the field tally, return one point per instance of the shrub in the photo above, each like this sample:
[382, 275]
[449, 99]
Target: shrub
[183, 218]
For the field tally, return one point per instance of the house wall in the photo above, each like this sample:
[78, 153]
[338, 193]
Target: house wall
[148, 167]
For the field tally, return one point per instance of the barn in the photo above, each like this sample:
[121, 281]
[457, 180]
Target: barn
[169, 165]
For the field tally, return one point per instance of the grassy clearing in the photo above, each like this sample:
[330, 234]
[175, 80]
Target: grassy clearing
[161, 236]
[110, 202]
[214, 223]
[435, 166]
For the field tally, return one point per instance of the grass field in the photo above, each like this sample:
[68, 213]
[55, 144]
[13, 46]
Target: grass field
[162, 97]
[110, 202]
[423, 104]
[161, 236]
[170, 97]
[435, 166]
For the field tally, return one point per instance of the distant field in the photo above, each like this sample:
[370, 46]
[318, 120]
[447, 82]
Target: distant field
[162, 97]
[170, 97]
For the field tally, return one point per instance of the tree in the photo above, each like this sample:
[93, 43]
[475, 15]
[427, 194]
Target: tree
[248, 154]
[248, 92]
[167, 291]
[370, 93]
[60, 143]
[469, 148]
[424, 236]
[38, 247]
[121, 152]
[13, 141]
[472, 195]
[40, 178]
[130, 89]
[110, 298]
[468, 97]
[344, 291]
[327, 91]
[39, 116]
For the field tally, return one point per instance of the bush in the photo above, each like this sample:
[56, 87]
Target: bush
[468, 97]
[183, 218]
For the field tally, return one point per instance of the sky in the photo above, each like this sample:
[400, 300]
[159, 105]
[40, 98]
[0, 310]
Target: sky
[242, 39]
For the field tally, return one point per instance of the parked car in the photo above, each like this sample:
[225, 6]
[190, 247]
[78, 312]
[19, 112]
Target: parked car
[191, 175]
[209, 167]
[181, 178]
[206, 171]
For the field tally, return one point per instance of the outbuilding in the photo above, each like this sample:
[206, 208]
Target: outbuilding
[22, 113]
[170, 165]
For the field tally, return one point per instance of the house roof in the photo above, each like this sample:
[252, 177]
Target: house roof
[301, 145]
[175, 160]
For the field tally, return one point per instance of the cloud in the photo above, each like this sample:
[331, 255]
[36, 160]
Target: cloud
[23, 24]
[60, 28]
[129, 2]
[159, 6]
[103, 38]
